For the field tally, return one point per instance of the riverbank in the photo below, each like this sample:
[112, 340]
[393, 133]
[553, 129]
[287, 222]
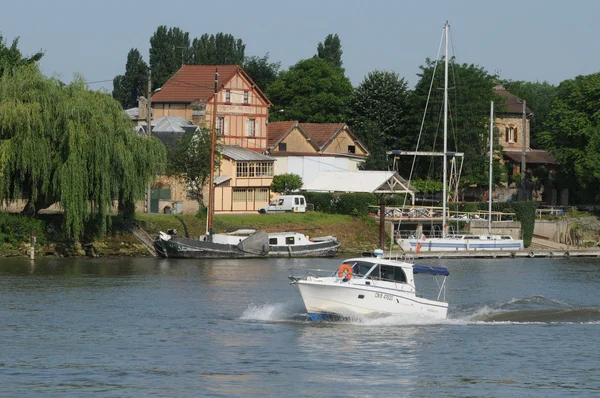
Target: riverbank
[356, 234]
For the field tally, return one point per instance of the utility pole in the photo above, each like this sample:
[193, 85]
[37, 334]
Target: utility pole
[149, 130]
[524, 195]
[211, 180]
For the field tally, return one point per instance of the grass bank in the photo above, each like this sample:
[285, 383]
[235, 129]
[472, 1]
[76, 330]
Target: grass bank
[355, 233]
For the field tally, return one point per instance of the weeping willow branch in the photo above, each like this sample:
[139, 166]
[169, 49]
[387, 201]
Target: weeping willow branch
[72, 146]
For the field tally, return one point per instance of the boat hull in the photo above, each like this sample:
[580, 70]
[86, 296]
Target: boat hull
[180, 247]
[324, 300]
[454, 245]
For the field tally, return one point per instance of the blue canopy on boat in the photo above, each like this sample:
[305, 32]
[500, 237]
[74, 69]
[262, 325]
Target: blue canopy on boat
[427, 269]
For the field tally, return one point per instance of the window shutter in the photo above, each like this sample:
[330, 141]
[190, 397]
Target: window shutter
[225, 126]
[516, 135]
[506, 138]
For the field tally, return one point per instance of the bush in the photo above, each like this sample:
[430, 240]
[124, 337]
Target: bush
[322, 201]
[16, 229]
[355, 204]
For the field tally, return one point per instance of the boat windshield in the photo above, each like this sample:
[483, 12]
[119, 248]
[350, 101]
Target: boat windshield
[360, 268]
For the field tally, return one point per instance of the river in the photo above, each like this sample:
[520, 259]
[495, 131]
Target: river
[190, 328]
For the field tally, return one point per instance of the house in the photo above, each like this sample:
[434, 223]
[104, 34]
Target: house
[515, 140]
[308, 148]
[242, 112]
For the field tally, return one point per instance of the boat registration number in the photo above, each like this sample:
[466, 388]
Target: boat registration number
[384, 296]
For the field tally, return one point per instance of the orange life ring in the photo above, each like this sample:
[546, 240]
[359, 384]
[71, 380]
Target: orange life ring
[345, 271]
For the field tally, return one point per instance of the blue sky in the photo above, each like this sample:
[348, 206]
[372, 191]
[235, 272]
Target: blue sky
[532, 40]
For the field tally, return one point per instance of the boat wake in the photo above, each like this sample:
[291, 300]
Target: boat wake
[535, 309]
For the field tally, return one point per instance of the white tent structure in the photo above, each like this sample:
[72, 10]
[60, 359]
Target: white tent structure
[376, 182]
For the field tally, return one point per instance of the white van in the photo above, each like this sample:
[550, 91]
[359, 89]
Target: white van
[286, 203]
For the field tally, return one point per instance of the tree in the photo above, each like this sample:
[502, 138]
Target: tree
[573, 134]
[69, 145]
[313, 90]
[219, 49]
[286, 183]
[261, 70]
[169, 50]
[539, 97]
[11, 57]
[188, 158]
[376, 114]
[128, 87]
[468, 117]
[331, 50]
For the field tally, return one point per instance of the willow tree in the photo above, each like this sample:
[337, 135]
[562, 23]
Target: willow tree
[68, 145]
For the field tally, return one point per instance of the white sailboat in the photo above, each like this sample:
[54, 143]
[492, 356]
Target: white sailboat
[459, 242]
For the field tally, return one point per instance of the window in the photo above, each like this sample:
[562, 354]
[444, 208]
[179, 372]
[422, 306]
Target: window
[351, 149]
[262, 195]
[250, 125]
[246, 97]
[227, 95]
[282, 147]
[250, 196]
[511, 135]
[296, 201]
[272, 241]
[242, 169]
[239, 194]
[289, 240]
[220, 125]
[251, 168]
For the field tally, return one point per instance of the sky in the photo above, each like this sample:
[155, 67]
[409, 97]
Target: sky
[532, 40]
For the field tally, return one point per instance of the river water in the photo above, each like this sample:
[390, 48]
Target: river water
[189, 328]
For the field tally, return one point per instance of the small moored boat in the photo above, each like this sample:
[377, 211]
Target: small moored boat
[370, 286]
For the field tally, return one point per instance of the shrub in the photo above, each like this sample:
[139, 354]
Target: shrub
[16, 229]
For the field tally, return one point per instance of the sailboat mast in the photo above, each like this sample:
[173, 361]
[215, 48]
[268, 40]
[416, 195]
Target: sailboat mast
[444, 193]
[211, 181]
[491, 168]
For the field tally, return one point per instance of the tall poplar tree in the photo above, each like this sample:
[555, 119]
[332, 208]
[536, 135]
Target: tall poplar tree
[219, 49]
[331, 50]
[128, 87]
[169, 50]
[72, 146]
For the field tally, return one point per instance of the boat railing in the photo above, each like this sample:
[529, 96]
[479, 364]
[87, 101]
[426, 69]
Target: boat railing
[302, 273]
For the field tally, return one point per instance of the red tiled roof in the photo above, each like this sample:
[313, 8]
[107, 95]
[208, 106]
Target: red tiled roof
[512, 102]
[194, 82]
[536, 156]
[321, 133]
[276, 130]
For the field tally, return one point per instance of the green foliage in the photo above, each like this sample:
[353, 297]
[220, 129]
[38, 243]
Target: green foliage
[11, 57]
[17, 229]
[428, 186]
[67, 144]
[219, 49]
[286, 183]
[539, 97]
[573, 134]
[313, 90]
[261, 71]
[352, 204]
[524, 213]
[377, 113]
[169, 50]
[188, 158]
[331, 50]
[355, 204]
[469, 104]
[134, 83]
[322, 201]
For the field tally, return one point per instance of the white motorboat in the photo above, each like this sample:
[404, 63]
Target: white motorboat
[371, 286]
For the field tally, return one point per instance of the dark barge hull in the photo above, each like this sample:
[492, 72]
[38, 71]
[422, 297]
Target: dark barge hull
[180, 247]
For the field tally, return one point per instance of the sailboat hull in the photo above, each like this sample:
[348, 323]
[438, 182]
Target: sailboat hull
[459, 244]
